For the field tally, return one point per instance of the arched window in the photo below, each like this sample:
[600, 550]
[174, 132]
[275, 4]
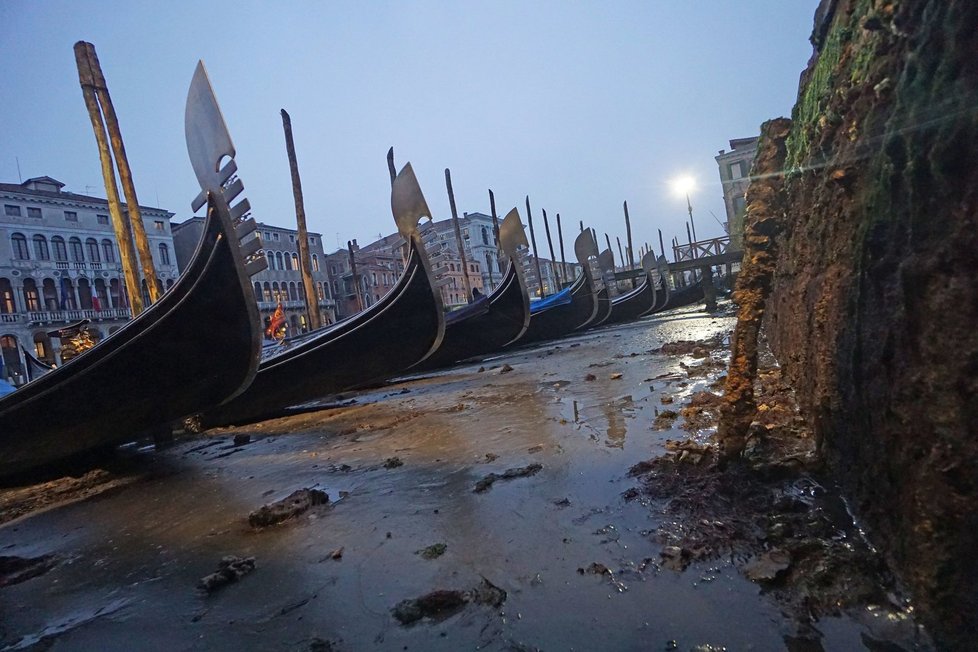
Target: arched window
[144, 290]
[115, 293]
[489, 262]
[41, 248]
[68, 294]
[19, 245]
[278, 260]
[31, 297]
[275, 294]
[315, 264]
[271, 259]
[50, 293]
[288, 262]
[320, 291]
[108, 251]
[267, 291]
[257, 291]
[77, 253]
[85, 294]
[91, 245]
[7, 305]
[336, 287]
[60, 251]
[485, 236]
[293, 292]
[164, 254]
[295, 262]
[102, 293]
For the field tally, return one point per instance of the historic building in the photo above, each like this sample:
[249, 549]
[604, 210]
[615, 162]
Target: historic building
[281, 281]
[735, 177]
[59, 263]
[377, 270]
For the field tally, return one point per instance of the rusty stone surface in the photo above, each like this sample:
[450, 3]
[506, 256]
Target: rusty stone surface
[875, 299]
[763, 221]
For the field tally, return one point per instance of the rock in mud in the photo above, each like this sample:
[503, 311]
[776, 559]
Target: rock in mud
[442, 603]
[292, 505]
[508, 474]
[675, 558]
[229, 570]
[768, 566]
[393, 463]
[505, 369]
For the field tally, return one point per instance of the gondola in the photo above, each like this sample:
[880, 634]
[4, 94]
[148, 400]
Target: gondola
[684, 296]
[559, 320]
[387, 338]
[639, 301]
[559, 299]
[194, 348]
[34, 367]
[493, 321]
[606, 264]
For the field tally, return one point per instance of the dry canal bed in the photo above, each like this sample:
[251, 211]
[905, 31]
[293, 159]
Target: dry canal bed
[490, 506]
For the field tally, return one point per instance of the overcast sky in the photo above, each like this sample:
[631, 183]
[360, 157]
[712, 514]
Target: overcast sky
[579, 105]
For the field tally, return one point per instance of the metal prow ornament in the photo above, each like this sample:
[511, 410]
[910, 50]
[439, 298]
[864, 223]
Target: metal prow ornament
[208, 143]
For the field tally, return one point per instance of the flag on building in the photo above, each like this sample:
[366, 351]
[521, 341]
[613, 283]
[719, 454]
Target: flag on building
[96, 302]
[276, 322]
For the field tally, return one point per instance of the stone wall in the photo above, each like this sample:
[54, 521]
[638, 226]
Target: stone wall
[874, 310]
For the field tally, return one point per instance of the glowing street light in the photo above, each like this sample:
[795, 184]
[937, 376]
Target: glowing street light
[682, 186]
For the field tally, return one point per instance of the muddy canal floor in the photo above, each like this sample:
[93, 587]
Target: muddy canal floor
[556, 498]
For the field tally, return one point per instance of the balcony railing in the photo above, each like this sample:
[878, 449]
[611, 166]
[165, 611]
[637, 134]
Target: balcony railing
[9, 318]
[52, 316]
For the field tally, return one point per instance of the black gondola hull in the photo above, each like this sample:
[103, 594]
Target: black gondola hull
[506, 317]
[634, 304]
[194, 348]
[385, 339]
[560, 320]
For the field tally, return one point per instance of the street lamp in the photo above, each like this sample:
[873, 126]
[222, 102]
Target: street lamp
[682, 187]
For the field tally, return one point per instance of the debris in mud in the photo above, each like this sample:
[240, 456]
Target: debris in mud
[434, 551]
[675, 558]
[665, 419]
[491, 457]
[594, 569]
[481, 370]
[336, 554]
[563, 502]
[590, 377]
[508, 474]
[765, 512]
[18, 501]
[695, 348]
[229, 570]
[535, 449]
[241, 440]
[616, 375]
[442, 603]
[393, 462]
[768, 566]
[666, 400]
[292, 505]
[14, 570]
[505, 369]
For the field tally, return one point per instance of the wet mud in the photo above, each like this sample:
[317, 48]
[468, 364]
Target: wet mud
[607, 526]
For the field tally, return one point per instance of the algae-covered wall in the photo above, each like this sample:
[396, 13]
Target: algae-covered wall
[874, 309]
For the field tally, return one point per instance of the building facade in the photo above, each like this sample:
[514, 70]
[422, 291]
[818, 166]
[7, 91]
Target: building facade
[281, 281]
[60, 263]
[734, 167]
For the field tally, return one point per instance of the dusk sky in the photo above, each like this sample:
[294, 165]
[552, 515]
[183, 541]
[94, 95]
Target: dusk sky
[579, 105]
